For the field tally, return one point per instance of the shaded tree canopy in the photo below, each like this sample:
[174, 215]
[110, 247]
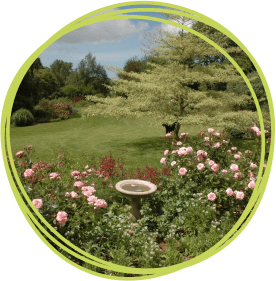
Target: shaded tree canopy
[61, 70]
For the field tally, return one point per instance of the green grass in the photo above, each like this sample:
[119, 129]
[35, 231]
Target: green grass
[96, 136]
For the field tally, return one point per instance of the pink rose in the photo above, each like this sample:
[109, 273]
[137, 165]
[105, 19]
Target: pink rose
[215, 167]
[211, 131]
[74, 194]
[61, 217]
[173, 163]
[179, 143]
[182, 171]
[174, 151]
[255, 129]
[168, 135]
[211, 162]
[201, 155]
[212, 196]
[166, 152]
[20, 154]
[234, 167]
[200, 166]
[217, 145]
[224, 171]
[54, 176]
[28, 173]
[92, 199]
[237, 156]
[29, 146]
[233, 148]
[182, 152]
[67, 194]
[163, 161]
[207, 139]
[229, 192]
[239, 153]
[78, 184]
[239, 195]
[183, 135]
[253, 166]
[189, 149]
[75, 173]
[38, 203]
[238, 176]
[251, 185]
[86, 167]
[100, 203]
[229, 151]
[247, 152]
[217, 134]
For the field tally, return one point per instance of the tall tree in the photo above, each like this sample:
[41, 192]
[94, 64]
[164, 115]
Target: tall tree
[93, 73]
[61, 70]
[165, 93]
[27, 93]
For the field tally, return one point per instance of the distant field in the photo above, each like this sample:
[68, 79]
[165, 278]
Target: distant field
[96, 136]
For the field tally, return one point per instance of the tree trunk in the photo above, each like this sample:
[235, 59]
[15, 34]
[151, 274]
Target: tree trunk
[176, 131]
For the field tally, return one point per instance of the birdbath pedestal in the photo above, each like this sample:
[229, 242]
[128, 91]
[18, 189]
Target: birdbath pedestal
[136, 189]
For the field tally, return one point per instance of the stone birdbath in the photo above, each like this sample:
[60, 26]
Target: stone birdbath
[136, 189]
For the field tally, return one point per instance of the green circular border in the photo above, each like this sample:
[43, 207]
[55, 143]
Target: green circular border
[5, 127]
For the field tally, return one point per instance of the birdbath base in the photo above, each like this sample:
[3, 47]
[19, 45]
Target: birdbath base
[135, 209]
[135, 189]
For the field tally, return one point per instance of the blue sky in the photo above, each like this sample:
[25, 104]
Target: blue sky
[111, 42]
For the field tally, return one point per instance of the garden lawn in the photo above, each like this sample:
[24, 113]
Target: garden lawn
[96, 136]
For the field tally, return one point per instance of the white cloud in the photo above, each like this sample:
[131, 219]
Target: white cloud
[103, 32]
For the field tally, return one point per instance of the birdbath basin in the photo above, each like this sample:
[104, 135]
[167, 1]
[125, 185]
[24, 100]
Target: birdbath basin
[136, 189]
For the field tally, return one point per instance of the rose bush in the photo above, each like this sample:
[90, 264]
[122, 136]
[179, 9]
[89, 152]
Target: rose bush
[203, 187]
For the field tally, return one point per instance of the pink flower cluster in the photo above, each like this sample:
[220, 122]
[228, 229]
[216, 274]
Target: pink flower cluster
[28, 173]
[78, 184]
[182, 171]
[61, 217]
[88, 190]
[239, 195]
[55, 176]
[20, 154]
[183, 135]
[234, 167]
[201, 155]
[98, 203]
[200, 166]
[38, 203]
[163, 160]
[212, 196]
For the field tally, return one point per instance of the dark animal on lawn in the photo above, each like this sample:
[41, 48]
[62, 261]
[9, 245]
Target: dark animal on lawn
[169, 128]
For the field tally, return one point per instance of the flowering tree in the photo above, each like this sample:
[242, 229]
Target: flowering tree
[172, 89]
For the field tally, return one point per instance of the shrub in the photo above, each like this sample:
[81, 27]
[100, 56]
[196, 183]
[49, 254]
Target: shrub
[42, 114]
[77, 99]
[22, 117]
[203, 186]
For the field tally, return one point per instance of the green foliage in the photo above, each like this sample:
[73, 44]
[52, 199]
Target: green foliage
[61, 71]
[134, 64]
[22, 117]
[43, 114]
[92, 73]
[179, 220]
[70, 91]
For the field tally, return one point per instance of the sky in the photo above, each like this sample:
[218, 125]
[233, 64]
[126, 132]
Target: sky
[111, 42]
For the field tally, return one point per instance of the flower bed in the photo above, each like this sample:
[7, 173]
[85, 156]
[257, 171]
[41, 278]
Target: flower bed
[204, 185]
